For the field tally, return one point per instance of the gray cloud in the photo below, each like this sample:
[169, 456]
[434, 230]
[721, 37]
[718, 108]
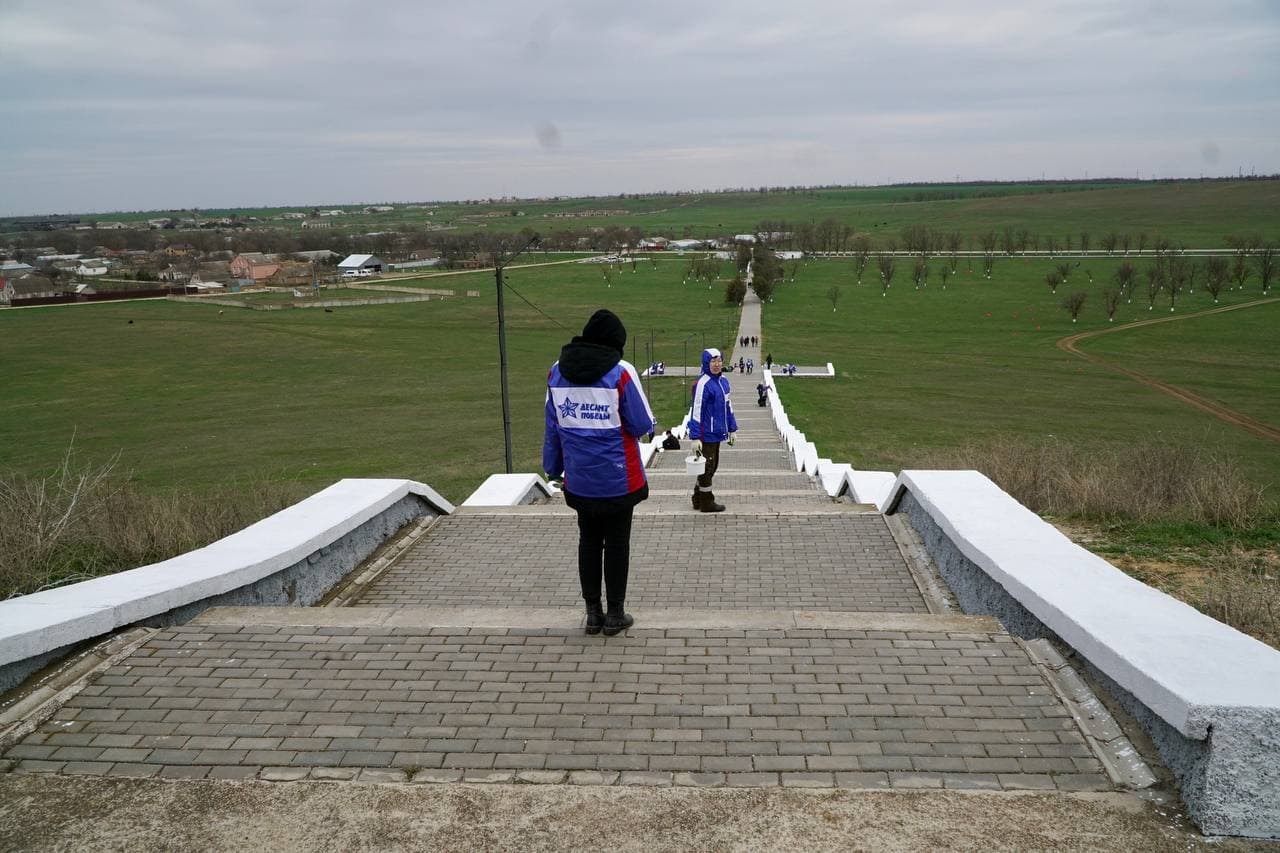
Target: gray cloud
[127, 105]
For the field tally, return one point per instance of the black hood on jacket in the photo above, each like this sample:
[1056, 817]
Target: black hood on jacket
[582, 362]
[595, 352]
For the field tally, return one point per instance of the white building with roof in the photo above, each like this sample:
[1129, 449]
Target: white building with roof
[356, 265]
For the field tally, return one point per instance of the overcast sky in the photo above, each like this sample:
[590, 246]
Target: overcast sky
[187, 103]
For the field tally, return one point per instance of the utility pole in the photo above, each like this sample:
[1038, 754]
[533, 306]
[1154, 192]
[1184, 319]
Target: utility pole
[499, 263]
[652, 360]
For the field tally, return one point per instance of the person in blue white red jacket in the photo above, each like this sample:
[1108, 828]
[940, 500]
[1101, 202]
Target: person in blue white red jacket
[711, 422]
[596, 413]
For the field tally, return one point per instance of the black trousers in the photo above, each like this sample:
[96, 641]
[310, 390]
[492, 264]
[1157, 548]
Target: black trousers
[710, 450]
[604, 547]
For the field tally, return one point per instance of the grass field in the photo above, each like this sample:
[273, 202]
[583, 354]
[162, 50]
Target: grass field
[1197, 213]
[192, 399]
[923, 371]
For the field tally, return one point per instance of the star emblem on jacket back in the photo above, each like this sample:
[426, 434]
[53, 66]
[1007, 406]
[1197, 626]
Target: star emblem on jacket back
[568, 409]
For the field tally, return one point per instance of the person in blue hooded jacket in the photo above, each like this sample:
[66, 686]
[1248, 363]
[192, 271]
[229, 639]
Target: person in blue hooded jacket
[711, 422]
[596, 413]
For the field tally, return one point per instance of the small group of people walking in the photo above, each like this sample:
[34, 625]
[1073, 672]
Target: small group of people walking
[746, 365]
[749, 341]
[596, 414]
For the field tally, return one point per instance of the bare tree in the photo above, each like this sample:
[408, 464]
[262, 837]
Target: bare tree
[1064, 270]
[833, 294]
[1084, 242]
[888, 266]
[1240, 270]
[1124, 277]
[988, 264]
[1109, 241]
[1215, 276]
[1111, 301]
[1073, 303]
[919, 270]
[1265, 259]
[1142, 241]
[1053, 279]
[944, 274]
[1175, 280]
[1155, 283]
[1051, 245]
[861, 253]
[954, 241]
[1125, 242]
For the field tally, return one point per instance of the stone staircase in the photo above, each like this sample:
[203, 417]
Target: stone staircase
[785, 642]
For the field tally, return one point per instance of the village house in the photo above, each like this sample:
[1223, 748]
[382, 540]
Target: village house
[91, 266]
[32, 287]
[14, 269]
[254, 265]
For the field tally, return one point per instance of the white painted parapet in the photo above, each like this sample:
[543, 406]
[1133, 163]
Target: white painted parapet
[509, 490]
[832, 476]
[870, 487]
[43, 622]
[1208, 694]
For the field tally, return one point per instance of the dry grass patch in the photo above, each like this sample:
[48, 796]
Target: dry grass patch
[1162, 481]
[79, 522]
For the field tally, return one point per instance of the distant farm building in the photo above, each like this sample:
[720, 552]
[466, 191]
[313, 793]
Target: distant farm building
[360, 265]
[686, 245]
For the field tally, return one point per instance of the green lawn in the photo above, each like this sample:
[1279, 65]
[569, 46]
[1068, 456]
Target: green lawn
[1230, 357]
[190, 398]
[922, 371]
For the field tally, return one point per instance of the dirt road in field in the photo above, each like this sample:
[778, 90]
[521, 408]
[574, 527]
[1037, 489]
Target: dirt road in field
[1182, 395]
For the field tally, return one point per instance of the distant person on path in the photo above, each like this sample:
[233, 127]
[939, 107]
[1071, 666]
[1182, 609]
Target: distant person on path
[762, 395]
[670, 442]
[742, 364]
[768, 361]
[751, 365]
[596, 412]
[711, 422]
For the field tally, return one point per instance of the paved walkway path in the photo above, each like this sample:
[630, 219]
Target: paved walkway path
[785, 642]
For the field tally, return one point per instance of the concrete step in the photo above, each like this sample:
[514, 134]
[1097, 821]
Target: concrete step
[676, 502]
[291, 693]
[760, 481]
[742, 459]
[838, 561]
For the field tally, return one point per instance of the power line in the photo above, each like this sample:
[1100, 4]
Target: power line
[535, 307]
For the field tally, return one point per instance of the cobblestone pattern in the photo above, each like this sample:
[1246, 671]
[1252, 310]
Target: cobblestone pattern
[731, 459]
[744, 481]
[793, 708]
[831, 562]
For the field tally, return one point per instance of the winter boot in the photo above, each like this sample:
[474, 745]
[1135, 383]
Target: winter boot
[595, 617]
[709, 503]
[616, 620]
[697, 498]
